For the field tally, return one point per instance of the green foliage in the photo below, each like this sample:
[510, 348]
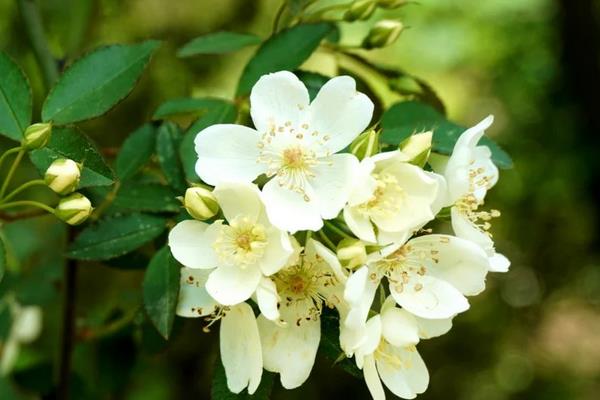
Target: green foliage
[218, 43]
[219, 390]
[329, 346]
[186, 105]
[167, 144]
[161, 290]
[115, 236]
[71, 143]
[15, 99]
[140, 196]
[97, 82]
[136, 151]
[287, 50]
[403, 119]
[2, 257]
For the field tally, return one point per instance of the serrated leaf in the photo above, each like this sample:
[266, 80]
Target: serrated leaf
[186, 105]
[286, 50]
[405, 118]
[72, 143]
[115, 236]
[161, 289]
[135, 196]
[97, 82]
[218, 43]
[15, 99]
[224, 113]
[219, 390]
[135, 152]
[167, 145]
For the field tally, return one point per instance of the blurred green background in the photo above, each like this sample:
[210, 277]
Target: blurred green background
[534, 64]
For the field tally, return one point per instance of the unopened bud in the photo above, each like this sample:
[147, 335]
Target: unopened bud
[391, 4]
[73, 209]
[360, 10]
[62, 176]
[200, 203]
[366, 144]
[352, 253]
[37, 136]
[383, 34]
[417, 148]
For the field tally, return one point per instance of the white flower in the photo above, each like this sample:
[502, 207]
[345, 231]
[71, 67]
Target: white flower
[294, 143]
[243, 251]
[393, 195]
[26, 327]
[313, 281]
[469, 174]
[428, 276]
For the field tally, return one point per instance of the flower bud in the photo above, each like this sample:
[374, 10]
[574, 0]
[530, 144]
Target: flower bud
[200, 203]
[73, 209]
[383, 34]
[37, 136]
[352, 252]
[417, 148]
[360, 10]
[366, 144]
[391, 4]
[62, 176]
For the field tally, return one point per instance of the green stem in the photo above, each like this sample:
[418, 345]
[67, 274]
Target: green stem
[20, 203]
[11, 171]
[327, 241]
[110, 197]
[7, 153]
[332, 227]
[278, 17]
[21, 188]
[35, 30]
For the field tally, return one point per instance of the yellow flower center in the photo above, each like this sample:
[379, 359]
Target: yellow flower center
[241, 243]
[387, 197]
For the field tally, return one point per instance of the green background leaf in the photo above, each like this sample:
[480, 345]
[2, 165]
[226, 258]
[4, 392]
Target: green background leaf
[161, 289]
[136, 151]
[15, 99]
[115, 236]
[167, 144]
[97, 82]
[287, 50]
[186, 105]
[218, 43]
[136, 196]
[72, 143]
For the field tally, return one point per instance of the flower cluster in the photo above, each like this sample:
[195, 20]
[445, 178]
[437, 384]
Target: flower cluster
[296, 225]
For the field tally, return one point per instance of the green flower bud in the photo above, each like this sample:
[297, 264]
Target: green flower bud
[200, 203]
[360, 10]
[62, 176]
[352, 253]
[73, 209]
[366, 144]
[383, 34]
[37, 136]
[391, 4]
[417, 148]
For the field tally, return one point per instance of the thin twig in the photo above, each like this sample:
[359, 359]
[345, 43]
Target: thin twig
[68, 326]
[11, 171]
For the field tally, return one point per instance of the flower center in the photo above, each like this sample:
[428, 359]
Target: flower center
[385, 353]
[241, 243]
[469, 206]
[387, 197]
[404, 264]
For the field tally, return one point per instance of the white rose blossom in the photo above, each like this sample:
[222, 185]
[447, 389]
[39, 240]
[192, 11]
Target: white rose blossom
[469, 173]
[294, 143]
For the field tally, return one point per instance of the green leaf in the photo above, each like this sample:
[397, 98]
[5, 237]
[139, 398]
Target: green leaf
[287, 50]
[135, 196]
[330, 343]
[405, 118]
[218, 43]
[222, 114]
[15, 99]
[219, 390]
[186, 105]
[312, 81]
[115, 236]
[2, 257]
[97, 82]
[72, 143]
[135, 152]
[161, 289]
[167, 145]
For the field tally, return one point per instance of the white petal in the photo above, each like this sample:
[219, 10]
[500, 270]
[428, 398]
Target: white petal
[499, 263]
[407, 380]
[471, 136]
[230, 285]
[359, 224]
[460, 262]
[194, 300]
[290, 350]
[330, 258]
[332, 183]
[277, 253]
[228, 153]
[372, 379]
[267, 298]
[399, 327]
[340, 112]
[240, 349]
[191, 243]
[278, 98]
[430, 328]
[363, 184]
[465, 229]
[435, 299]
[288, 210]
[442, 199]
[356, 285]
[373, 330]
[237, 198]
